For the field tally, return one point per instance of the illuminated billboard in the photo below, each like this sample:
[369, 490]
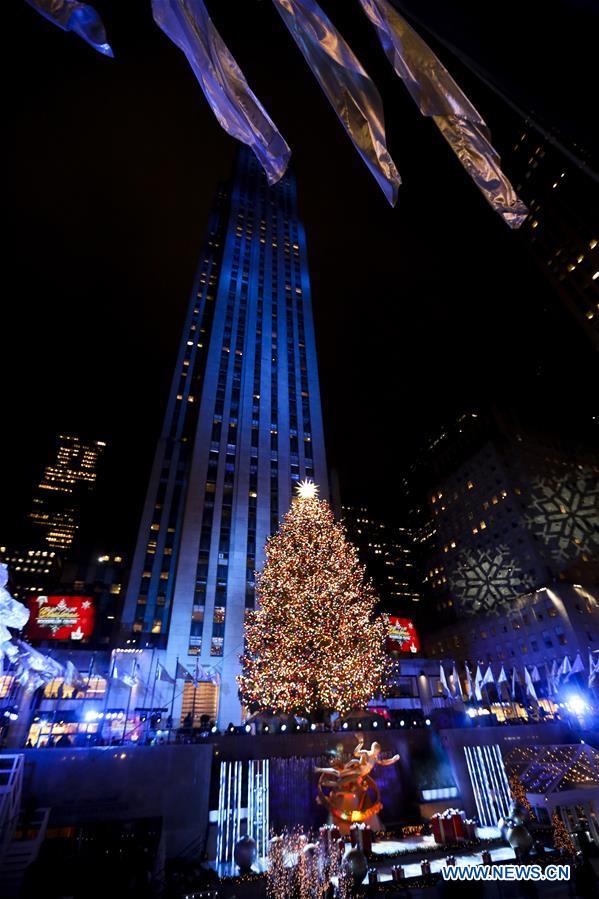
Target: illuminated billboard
[61, 618]
[402, 636]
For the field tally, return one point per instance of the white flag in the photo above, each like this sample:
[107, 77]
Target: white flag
[578, 666]
[469, 688]
[565, 669]
[502, 679]
[488, 678]
[530, 687]
[478, 681]
[515, 680]
[443, 680]
[72, 677]
[593, 668]
[130, 679]
[536, 677]
[457, 685]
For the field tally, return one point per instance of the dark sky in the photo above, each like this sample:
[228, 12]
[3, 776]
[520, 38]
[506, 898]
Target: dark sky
[420, 311]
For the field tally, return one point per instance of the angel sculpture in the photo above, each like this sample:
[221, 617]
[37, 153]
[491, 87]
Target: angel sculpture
[32, 669]
[349, 791]
[12, 614]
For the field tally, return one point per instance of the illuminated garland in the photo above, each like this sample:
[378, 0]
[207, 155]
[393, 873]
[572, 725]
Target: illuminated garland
[519, 795]
[313, 643]
[561, 838]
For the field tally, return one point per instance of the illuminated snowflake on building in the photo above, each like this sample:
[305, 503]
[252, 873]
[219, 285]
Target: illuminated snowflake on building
[486, 578]
[564, 513]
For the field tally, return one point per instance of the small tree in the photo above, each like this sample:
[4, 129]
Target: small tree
[313, 644]
[519, 795]
[561, 838]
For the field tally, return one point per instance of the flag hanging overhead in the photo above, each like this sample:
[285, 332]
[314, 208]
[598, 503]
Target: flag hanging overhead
[438, 96]
[77, 17]
[239, 112]
[593, 669]
[346, 85]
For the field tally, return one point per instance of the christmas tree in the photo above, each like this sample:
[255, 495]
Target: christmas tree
[313, 644]
[519, 795]
[561, 838]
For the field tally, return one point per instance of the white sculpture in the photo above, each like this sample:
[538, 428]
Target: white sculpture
[32, 668]
[12, 614]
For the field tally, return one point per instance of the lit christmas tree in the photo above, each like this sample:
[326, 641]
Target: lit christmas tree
[313, 644]
[561, 838]
[519, 795]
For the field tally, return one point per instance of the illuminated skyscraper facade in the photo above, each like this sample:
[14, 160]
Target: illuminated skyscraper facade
[58, 498]
[243, 424]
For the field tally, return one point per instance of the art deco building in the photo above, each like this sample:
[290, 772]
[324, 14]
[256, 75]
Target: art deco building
[511, 512]
[242, 425]
[63, 490]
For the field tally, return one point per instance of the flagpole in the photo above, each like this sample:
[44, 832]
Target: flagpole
[173, 698]
[146, 723]
[193, 701]
[127, 710]
[153, 692]
[108, 686]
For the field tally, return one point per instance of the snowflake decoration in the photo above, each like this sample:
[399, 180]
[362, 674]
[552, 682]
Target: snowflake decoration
[487, 578]
[564, 514]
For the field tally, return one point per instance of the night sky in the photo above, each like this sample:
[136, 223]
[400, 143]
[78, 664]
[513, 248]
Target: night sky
[421, 311]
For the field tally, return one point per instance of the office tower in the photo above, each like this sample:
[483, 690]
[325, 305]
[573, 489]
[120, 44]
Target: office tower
[513, 512]
[243, 424]
[561, 231]
[387, 550]
[62, 493]
[30, 571]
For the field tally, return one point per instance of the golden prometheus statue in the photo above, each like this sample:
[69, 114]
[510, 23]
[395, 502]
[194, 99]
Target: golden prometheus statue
[348, 791]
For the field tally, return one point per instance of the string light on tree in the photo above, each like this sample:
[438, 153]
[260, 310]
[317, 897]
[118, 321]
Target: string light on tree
[313, 644]
[561, 838]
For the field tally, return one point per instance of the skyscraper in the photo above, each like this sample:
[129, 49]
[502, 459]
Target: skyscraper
[62, 490]
[243, 423]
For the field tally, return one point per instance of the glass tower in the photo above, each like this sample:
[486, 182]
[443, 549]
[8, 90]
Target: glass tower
[243, 424]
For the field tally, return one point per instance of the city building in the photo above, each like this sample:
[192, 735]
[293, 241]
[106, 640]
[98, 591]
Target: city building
[30, 571]
[63, 491]
[103, 578]
[561, 230]
[387, 551]
[511, 512]
[538, 629]
[243, 425]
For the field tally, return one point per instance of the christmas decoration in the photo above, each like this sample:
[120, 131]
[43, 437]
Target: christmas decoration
[519, 795]
[77, 17]
[561, 838]
[238, 111]
[348, 87]
[438, 96]
[312, 645]
[12, 614]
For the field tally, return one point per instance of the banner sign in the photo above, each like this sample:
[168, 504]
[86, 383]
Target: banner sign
[402, 636]
[61, 618]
